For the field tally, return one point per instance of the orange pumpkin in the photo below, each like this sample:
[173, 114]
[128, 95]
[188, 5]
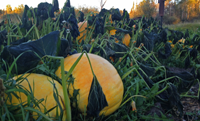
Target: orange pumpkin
[82, 29]
[107, 77]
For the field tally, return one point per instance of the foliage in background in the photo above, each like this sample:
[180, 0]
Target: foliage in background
[146, 7]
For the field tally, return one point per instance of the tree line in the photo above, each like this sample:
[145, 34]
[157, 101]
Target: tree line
[175, 11]
[10, 10]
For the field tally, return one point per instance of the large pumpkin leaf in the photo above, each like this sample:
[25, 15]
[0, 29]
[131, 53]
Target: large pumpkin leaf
[55, 5]
[185, 82]
[19, 41]
[46, 45]
[149, 71]
[116, 16]
[172, 100]
[3, 37]
[119, 48]
[99, 26]
[149, 82]
[65, 48]
[68, 18]
[96, 99]
[167, 53]
[45, 10]
[81, 16]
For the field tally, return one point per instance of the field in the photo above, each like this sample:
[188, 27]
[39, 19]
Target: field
[193, 27]
[104, 66]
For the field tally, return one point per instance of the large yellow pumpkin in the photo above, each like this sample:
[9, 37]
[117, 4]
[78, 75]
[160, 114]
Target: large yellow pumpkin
[43, 88]
[106, 74]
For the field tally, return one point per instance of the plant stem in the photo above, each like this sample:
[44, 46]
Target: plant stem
[130, 98]
[162, 90]
[64, 85]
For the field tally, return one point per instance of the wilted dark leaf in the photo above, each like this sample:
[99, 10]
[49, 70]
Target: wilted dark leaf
[70, 22]
[45, 10]
[67, 4]
[17, 42]
[193, 53]
[116, 16]
[186, 34]
[195, 39]
[149, 40]
[150, 71]
[163, 36]
[65, 48]
[46, 45]
[119, 48]
[81, 16]
[186, 81]
[3, 36]
[96, 99]
[55, 5]
[2, 23]
[149, 82]
[174, 99]
[103, 12]
[167, 53]
[125, 15]
[171, 100]
[99, 26]
[109, 51]
[187, 62]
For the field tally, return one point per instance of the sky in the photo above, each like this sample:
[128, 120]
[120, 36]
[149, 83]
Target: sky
[121, 4]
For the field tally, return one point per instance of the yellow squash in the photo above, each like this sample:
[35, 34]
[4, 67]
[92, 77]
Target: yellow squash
[106, 74]
[43, 88]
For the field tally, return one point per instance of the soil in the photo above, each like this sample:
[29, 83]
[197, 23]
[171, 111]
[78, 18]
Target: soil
[191, 106]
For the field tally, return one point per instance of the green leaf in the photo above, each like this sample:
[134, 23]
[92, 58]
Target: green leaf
[37, 111]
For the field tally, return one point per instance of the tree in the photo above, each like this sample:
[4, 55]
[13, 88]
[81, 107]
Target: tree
[146, 8]
[8, 8]
[20, 8]
[15, 10]
[131, 14]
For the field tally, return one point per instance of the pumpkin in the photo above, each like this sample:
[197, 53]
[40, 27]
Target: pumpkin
[82, 29]
[126, 39]
[106, 75]
[43, 88]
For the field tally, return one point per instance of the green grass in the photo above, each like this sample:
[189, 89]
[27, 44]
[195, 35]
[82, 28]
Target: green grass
[191, 26]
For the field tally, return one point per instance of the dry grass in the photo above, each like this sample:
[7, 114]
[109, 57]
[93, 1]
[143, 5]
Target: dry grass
[13, 17]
